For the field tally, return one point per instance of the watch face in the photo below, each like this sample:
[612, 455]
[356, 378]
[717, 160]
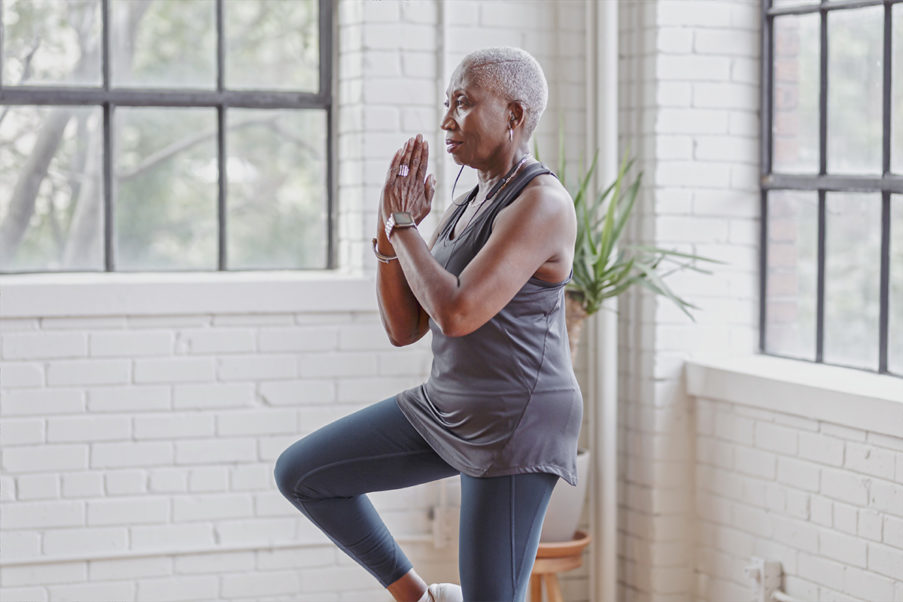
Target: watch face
[403, 218]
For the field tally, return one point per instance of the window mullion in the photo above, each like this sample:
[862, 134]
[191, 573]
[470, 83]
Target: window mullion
[820, 281]
[884, 300]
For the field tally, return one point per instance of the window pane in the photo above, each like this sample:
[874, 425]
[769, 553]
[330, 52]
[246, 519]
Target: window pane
[796, 84]
[896, 147]
[51, 42]
[786, 3]
[51, 210]
[852, 278]
[855, 57]
[272, 44]
[791, 285]
[895, 319]
[166, 189]
[276, 175]
[169, 43]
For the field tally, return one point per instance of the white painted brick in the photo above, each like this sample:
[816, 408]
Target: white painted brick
[743, 123]
[673, 40]
[726, 96]
[690, 121]
[221, 562]
[207, 451]
[21, 432]
[274, 558]
[82, 484]
[268, 583]
[298, 339]
[43, 574]
[886, 496]
[755, 463]
[183, 587]
[798, 504]
[251, 477]
[845, 518]
[734, 428]
[29, 458]
[44, 345]
[147, 453]
[126, 511]
[42, 402]
[776, 438]
[844, 486]
[38, 487]
[129, 399]
[211, 507]
[172, 537]
[215, 340]
[88, 428]
[254, 422]
[724, 148]
[692, 67]
[174, 425]
[130, 344]
[298, 392]
[893, 531]
[821, 570]
[112, 591]
[163, 480]
[819, 448]
[125, 482]
[868, 586]
[20, 544]
[796, 422]
[88, 372]
[253, 367]
[82, 322]
[884, 560]
[870, 460]
[886, 441]
[726, 42]
[795, 533]
[364, 337]
[843, 548]
[699, 13]
[214, 395]
[61, 513]
[181, 369]
[699, 175]
[231, 532]
[869, 524]
[208, 478]
[821, 511]
[102, 540]
[842, 432]
[21, 374]
[18, 324]
[371, 390]
[347, 363]
[331, 579]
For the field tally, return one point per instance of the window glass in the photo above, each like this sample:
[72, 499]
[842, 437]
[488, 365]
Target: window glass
[272, 44]
[166, 188]
[792, 245]
[895, 318]
[855, 58]
[276, 173]
[51, 42]
[795, 94]
[168, 43]
[852, 278]
[51, 207]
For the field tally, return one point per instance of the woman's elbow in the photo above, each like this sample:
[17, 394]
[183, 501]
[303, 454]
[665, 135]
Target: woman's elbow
[454, 324]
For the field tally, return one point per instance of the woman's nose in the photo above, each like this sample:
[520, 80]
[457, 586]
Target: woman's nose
[447, 122]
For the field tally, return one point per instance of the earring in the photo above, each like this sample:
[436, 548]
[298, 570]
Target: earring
[510, 134]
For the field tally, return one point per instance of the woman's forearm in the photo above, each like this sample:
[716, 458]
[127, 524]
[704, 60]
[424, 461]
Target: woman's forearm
[399, 309]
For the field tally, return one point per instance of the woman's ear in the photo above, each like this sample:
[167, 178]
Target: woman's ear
[516, 114]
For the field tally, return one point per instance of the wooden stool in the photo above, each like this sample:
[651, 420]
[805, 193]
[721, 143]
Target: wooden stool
[553, 558]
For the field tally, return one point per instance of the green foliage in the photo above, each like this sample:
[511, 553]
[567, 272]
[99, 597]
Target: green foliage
[602, 267]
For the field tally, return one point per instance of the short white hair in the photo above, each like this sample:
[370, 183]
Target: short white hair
[515, 75]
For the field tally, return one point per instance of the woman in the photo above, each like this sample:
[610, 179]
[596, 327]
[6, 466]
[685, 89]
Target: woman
[501, 406]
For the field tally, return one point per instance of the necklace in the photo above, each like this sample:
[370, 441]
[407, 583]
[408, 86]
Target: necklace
[495, 189]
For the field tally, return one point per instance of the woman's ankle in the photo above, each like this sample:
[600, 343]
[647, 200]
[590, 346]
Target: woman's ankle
[409, 588]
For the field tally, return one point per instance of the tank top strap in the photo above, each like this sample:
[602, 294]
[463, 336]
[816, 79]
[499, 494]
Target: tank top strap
[509, 195]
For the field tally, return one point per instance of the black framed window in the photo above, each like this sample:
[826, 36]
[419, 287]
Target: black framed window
[165, 135]
[831, 266]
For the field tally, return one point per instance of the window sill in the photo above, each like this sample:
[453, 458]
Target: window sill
[871, 402]
[159, 293]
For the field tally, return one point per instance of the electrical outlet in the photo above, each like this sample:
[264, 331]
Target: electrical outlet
[767, 575]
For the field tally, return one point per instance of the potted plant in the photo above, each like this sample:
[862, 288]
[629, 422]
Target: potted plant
[602, 271]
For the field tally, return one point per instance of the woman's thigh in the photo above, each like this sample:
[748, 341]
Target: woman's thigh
[373, 449]
[501, 519]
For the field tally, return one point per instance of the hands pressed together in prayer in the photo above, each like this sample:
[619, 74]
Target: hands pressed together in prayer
[407, 186]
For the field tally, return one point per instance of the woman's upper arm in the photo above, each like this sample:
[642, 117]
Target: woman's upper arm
[524, 237]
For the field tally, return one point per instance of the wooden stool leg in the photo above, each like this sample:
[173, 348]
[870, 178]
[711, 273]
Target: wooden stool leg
[535, 588]
[553, 588]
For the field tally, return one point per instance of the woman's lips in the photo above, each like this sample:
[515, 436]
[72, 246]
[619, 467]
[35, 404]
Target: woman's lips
[451, 145]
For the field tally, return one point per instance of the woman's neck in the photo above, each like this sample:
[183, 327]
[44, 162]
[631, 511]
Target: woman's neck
[491, 175]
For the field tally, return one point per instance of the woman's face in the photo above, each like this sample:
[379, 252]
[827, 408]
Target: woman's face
[476, 122]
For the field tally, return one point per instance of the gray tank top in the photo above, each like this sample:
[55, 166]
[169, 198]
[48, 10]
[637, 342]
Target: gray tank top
[502, 399]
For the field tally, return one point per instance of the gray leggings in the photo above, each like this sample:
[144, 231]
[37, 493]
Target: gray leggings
[327, 474]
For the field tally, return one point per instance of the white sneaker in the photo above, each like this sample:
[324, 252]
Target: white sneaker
[444, 592]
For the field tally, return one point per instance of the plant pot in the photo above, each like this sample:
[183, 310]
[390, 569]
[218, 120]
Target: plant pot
[566, 506]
